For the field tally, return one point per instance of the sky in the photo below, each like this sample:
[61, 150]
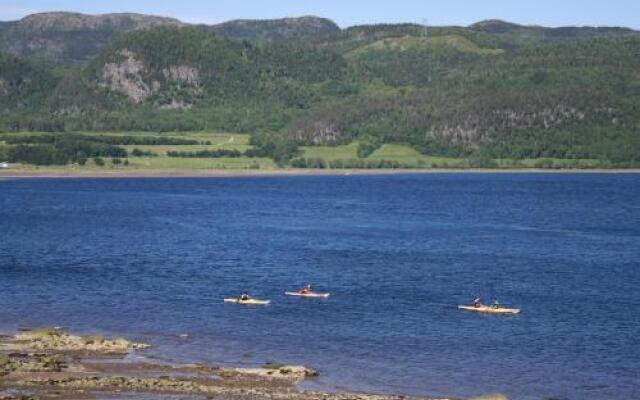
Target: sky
[355, 12]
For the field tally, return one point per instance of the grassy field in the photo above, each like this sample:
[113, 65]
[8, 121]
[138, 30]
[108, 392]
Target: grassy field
[575, 163]
[151, 164]
[403, 154]
[407, 155]
[164, 162]
[219, 141]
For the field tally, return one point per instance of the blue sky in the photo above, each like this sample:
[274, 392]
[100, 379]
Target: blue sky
[346, 12]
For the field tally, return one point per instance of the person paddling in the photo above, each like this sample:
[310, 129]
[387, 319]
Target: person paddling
[244, 296]
[477, 302]
[306, 289]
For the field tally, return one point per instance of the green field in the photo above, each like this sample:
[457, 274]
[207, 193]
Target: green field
[174, 163]
[409, 156]
[164, 163]
[404, 155]
[218, 141]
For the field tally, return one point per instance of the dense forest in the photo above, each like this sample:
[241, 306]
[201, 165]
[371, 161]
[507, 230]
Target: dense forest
[493, 90]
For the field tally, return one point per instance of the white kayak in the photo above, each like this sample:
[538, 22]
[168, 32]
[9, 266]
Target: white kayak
[309, 294]
[249, 301]
[490, 309]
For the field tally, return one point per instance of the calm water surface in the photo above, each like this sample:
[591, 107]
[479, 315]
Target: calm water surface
[152, 259]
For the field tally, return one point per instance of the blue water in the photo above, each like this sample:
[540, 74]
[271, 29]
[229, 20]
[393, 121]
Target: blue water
[152, 259]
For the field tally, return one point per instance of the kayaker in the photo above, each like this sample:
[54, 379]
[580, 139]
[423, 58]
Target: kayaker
[305, 289]
[495, 304]
[477, 302]
[245, 296]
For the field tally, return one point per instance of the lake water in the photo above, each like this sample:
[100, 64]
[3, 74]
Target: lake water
[152, 259]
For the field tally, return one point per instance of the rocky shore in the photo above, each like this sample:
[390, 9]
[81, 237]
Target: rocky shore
[50, 363]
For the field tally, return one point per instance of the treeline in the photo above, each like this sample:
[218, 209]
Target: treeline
[32, 123]
[320, 163]
[115, 140]
[207, 153]
[136, 152]
[61, 152]
[59, 149]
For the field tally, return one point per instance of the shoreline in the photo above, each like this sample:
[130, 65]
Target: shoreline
[48, 363]
[238, 173]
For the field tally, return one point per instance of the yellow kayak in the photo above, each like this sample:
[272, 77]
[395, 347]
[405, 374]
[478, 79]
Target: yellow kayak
[309, 294]
[490, 309]
[249, 301]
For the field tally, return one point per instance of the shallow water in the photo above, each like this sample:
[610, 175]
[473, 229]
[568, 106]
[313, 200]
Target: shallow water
[152, 259]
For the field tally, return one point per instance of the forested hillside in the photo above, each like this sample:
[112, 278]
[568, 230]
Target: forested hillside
[307, 28]
[494, 90]
[71, 37]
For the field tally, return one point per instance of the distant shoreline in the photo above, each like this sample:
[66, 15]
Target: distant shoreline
[238, 173]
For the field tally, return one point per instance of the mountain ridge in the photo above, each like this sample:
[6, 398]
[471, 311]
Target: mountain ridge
[75, 21]
[276, 29]
[501, 27]
[76, 37]
[72, 37]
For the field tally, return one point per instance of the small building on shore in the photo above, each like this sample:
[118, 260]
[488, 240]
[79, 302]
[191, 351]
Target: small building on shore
[4, 164]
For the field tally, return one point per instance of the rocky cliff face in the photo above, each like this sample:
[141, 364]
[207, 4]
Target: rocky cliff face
[126, 78]
[132, 78]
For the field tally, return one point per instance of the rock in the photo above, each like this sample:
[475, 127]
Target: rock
[183, 73]
[126, 77]
[160, 384]
[52, 339]
[295, 372]
[29, 363]
[93, 339]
